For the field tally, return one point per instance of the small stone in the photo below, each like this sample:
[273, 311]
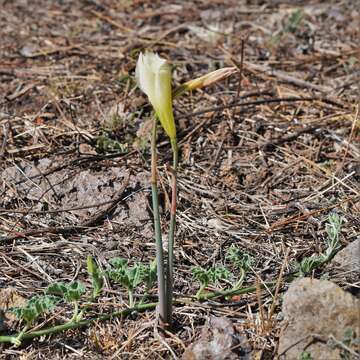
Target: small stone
[219, 341]
[315, 313]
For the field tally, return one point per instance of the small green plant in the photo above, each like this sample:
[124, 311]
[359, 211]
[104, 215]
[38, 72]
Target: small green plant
[74, 292]
[131, 277]
[104, 144]
[305, 355]
[210, 276]
[290, 27]
[241, 260]
[96, 277]
[333, 227]
[31, 311]
[70, 292]
[351, 340]
[293, 21]
[149, 276]
[35, 307]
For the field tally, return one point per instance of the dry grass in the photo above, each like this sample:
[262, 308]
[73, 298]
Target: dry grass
[254, 170]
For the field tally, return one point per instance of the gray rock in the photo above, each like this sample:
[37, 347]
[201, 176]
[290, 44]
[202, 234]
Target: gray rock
[348, 259]
[317, 313]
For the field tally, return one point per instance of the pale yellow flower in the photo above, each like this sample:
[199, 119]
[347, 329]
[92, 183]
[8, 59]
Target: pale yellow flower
[206, 80]
[153, 75]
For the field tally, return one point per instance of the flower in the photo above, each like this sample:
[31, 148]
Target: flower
[206, 80]
[153, 75]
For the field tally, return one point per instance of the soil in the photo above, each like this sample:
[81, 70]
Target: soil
[265, 157]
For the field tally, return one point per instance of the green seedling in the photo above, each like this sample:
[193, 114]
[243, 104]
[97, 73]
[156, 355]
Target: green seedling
[241, 260]
[333, 227]
[106, 145]
[34, 307]
[149, 275]
[290, 27]
[131, 277]
[31, 311]
[71, 293]
[293, 22]
[305, 355]
[211, 276]
[96, 277]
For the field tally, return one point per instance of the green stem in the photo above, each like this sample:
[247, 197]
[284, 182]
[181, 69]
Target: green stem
[241, 280]
[76, 311]
[131, 298]
[158, 240]
[16, 340]
[170, 263]
[76, 324]
[122, 313]
[199, 292]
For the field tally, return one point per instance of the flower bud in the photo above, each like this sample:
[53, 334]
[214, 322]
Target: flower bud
[153, 75]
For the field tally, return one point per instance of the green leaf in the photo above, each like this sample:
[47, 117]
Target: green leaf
[213, 275]
[239, 258]
[69, 292]
[294, 21]
[119, 276]
[135, 275]
[128, 277]
[106, 145]
[96, 277]
[58, 289]
[74, 291]
[311, 263]
[333, 228]
[218, 273]
[34, 307]
[305, 355]
[119, 263]
[149, 275]
[200, 275]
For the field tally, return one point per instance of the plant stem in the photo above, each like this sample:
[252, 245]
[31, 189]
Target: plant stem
[158, 240]
[131, 298]
[241, 280]
[170, 263]
[122, 313]
[199, 292]
[76, 311]
[76, 324]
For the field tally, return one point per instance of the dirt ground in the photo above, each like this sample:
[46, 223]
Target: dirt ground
[265, 156]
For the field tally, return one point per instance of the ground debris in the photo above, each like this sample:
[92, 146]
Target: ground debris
[265, 156]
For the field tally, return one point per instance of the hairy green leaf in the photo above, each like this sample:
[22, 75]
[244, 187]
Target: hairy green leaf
[239, 258]
[34, 307]
[69, 292]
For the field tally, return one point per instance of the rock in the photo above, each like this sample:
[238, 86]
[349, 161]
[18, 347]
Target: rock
[219, 341]
[317, 312]
[348, 259]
